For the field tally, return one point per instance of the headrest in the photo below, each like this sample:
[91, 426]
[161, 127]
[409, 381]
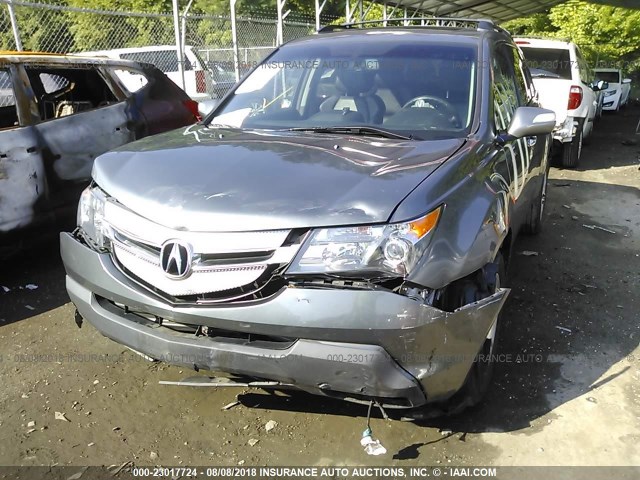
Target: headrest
[354, 81]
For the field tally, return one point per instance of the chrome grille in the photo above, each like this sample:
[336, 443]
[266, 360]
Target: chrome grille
[221, 260]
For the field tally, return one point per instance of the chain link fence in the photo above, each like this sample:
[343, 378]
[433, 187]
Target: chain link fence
[49, 27]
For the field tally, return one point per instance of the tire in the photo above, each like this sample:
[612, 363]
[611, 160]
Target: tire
[533, 222]
[571, 151]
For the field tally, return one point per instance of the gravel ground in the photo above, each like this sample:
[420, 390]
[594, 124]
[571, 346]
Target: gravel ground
[567, 393]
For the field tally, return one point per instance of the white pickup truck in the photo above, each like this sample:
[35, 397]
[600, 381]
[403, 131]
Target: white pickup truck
[617, 95]
[565, 85]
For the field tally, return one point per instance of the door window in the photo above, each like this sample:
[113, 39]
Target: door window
[524, 85]
[509, 92]
[64, 91]
[505, 96]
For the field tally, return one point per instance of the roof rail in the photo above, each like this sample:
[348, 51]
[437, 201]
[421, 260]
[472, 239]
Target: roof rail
[430, 22]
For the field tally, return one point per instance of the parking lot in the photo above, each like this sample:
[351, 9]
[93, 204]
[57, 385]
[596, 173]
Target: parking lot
[566, 391]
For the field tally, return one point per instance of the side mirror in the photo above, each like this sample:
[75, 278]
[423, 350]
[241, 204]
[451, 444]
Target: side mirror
[626, 80]
[600, 85]
[207, 106]
[527, 122]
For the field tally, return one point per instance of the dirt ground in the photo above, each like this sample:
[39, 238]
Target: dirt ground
[568, 394]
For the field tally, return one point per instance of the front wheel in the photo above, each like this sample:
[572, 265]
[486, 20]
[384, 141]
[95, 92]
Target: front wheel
[533, 223]
[478, 379]
[571, 151]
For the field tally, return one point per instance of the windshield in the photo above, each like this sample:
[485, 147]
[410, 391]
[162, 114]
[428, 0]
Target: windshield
[416, 89]
[609, 77]
[548, 62]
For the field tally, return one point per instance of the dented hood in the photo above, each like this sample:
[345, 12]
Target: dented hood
[212, 179]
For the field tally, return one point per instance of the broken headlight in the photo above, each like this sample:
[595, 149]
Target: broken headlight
[392, 249]
[91, 216]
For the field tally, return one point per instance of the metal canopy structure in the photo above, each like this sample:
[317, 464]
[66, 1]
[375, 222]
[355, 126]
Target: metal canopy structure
[497, 10]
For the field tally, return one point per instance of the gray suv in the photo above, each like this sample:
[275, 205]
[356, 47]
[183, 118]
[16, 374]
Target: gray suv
[340, 223]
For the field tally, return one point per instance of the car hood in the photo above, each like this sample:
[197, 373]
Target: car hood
[218, 179]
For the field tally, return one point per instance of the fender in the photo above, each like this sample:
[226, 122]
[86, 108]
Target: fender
[475, 220]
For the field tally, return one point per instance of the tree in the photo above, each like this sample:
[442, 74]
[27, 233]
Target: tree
[40, 30]
[605, 34]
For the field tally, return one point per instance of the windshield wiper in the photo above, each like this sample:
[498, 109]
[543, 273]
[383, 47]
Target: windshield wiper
[373, 131]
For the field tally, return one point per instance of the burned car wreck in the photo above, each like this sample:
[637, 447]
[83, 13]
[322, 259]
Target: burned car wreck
[340, 223]
[57, 113]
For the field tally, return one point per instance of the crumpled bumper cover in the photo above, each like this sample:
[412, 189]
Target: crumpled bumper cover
[565, 131]
[353, 344]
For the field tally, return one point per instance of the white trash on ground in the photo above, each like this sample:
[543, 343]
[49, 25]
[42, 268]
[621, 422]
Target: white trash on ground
[371, 446]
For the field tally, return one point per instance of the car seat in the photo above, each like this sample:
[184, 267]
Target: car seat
[356, 101]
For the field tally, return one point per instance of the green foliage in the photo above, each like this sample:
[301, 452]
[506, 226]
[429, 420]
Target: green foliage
[605, 34]
[376, 11]
[538, 24]
[45, 29]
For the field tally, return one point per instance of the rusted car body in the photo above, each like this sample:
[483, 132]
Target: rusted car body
[57, 114]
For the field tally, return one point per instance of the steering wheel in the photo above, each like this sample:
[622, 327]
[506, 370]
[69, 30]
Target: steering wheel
[440, 105]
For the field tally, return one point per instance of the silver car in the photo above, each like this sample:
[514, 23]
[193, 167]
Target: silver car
[340, 223]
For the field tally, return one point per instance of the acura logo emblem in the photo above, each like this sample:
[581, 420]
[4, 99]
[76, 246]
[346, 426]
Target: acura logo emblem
[175, 258]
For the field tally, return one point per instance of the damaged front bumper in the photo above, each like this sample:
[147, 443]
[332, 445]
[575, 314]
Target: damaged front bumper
[566, 131]
[350, 344]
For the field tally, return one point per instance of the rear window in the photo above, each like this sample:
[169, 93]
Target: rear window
[609, 77]
[8, 112]
[164, 60]
[6, 90]
[548, 62]
[131, 79]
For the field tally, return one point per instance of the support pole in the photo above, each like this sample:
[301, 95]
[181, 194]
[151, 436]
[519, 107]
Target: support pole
[280, 26]
[234, 39]
[14, 26]
[384, 14]
[183, 41]
[179, 51]
[366, 12]
[319, 8]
